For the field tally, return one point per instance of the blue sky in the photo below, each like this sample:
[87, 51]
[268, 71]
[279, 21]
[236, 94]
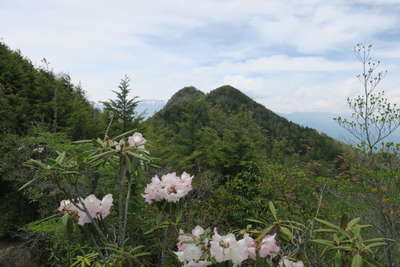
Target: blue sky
[290, 55]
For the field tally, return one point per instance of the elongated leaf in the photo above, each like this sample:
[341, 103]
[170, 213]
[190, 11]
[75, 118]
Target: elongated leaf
[377, 244]
[256, 221]
[357, 261]
[124, 134]
[27, 184]
[323, 242]
[98, 156]
[286, 232]
[273, 210]
[137, 155]
[328, 223]
[325, 231]
[352, 223]
[82, 142]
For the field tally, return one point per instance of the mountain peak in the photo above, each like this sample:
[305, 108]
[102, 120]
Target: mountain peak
[187, 93]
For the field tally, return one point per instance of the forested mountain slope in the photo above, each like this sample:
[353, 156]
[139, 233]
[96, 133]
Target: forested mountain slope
[32, 96]
[197, 120]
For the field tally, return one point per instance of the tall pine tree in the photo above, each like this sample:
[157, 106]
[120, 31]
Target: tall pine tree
[123, 108]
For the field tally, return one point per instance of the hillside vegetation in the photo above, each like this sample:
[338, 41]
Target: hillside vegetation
[248, 182]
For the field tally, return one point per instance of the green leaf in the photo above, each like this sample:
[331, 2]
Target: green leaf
[256, 221]
[98, 156]
[352, 223]
[27, 184]
[377, 244]
[64, 219]
[82, 142]
[273, 210]
[124, 134]
[328, 223]
[325, 231]
[323, 242]
[357, 261]
[137, 155]
[286, 232]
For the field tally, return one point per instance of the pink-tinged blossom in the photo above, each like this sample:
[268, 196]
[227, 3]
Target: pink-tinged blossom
[285, 262]
[227, 248]
[190, 252]
[170, 188]
[95, 208]
[184, 239]
[191, 248]
[268, 247]
[198, 231]
[137, 140]
[248, 244]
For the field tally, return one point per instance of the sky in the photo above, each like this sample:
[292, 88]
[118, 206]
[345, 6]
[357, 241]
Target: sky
[289, 55]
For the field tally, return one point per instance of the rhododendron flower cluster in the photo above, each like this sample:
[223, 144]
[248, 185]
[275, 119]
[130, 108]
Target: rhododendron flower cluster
[192, 249]
[227, 248]
[201, 248]
[136, 140]
[97, 209]
[268, 247]
[170, 187]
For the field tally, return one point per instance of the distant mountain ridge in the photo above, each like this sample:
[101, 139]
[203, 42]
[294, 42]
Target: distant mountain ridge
[231, 101]
[320, 121]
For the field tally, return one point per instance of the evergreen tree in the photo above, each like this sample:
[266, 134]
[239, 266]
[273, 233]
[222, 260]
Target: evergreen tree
[123, 108]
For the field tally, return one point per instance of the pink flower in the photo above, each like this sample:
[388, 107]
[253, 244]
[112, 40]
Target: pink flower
[198, 231]
[137, 140]
[105, 206]
[191, 248]
[190, 252]
[170, 188]
[227, 248]
[269, 248]
[184, 239]
[95, 208]
[152, 191]
[248, 244]
[285, 262]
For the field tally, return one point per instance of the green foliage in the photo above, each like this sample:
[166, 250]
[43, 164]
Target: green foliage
[32, 96]
[347, 245]
[122, 110]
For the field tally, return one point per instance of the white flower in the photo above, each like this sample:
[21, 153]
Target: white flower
[191, 252]
[225, 248]
[285, 262]
[137, 140]
[248, 244]
[269, 248]
[95, 208]
[170, 188]
[198, 231]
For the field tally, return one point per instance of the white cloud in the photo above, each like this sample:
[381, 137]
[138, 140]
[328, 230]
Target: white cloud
[285, 52]
[284, 63]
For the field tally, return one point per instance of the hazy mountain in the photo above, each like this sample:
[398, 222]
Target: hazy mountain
[149, 107]
[323, 122]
